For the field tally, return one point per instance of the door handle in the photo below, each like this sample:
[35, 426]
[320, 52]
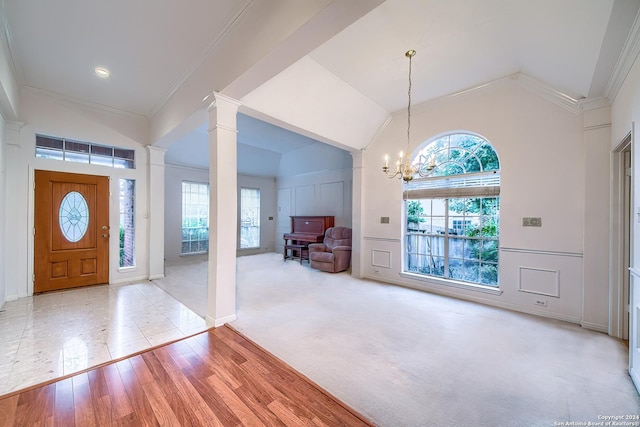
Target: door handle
[105, 235]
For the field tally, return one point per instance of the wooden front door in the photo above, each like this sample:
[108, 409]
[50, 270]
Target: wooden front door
[71, 230]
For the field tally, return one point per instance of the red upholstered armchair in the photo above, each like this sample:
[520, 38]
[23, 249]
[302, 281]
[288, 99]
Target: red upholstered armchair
[334, 253]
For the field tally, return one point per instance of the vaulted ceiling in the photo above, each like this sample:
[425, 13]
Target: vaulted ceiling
[333, 70]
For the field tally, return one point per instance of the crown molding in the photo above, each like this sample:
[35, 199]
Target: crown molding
[543, 90]
[588, 104]
[240, 11]
[550, 94]
[75, 102]
[625, 61]
[7, 39]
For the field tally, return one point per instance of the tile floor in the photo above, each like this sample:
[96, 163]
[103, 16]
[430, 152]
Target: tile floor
[51, 335]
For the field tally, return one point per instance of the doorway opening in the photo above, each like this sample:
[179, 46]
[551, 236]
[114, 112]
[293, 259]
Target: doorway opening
[621, 239]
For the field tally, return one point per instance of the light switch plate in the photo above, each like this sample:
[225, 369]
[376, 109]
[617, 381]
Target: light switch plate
[532, 222]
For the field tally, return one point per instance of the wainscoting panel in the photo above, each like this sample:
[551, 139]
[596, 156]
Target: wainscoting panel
[539, 281]
[305, 200]
[332, 199]
[284, 208]
[381, 258]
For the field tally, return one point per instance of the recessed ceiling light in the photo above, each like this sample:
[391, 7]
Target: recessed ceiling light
[102, 72]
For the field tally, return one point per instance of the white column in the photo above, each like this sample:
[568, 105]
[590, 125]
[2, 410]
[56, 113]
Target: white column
[156, 212]
[223, 208]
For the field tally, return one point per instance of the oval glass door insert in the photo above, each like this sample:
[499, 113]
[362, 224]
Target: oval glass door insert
[74, 216]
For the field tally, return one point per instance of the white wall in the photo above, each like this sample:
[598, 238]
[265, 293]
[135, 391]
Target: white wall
[541, 151]
[174, 175]
[46, 115]
[3, 203]
[314, 180]
[625, 116]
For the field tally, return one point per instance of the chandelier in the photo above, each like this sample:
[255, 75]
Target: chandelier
[404, 168]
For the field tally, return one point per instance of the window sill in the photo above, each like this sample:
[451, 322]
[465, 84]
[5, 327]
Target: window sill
[453, 283]
[127, 269]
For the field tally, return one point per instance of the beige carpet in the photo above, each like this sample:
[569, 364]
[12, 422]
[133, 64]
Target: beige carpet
[408, 358]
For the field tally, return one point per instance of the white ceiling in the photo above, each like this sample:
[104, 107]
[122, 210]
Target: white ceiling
[340, 82]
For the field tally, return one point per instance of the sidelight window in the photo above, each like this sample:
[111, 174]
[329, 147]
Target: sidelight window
[127, 222]
[249, 218]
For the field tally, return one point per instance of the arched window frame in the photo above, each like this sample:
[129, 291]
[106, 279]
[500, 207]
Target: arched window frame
[463, 247]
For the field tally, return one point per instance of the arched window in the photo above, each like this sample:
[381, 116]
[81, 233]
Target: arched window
[453, 215]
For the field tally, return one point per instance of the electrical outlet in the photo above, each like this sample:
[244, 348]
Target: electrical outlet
[540, 302]
[384, 220]
[376, 272]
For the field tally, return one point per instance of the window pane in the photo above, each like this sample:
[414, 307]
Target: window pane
[456, 248]
[489, 274]
[71, 156]
[127, 222]
[83, 152]
[195, 218]
[48, 153]
[47, 142]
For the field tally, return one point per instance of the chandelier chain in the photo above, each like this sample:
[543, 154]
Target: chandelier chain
[404, 169]
[409, 107]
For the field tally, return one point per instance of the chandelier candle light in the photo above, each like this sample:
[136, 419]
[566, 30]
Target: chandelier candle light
[404, 169]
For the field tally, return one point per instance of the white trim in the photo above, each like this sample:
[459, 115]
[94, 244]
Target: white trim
[589, 104]
[616, 236]
[557, 280]
[69, 100]
[128, 280]
[595, 327]
[625, 61]
[154, 277]
[373, 251]
[635, 378]
[547, 92]
[381, 239]
[447, 291]
[222, 320]
[452, 283]
[542, 252]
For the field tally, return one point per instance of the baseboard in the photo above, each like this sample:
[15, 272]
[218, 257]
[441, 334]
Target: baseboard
[128, 280]
[471, 298]
[635, 378]
[156, 276]
[595, 327]
[222, 320]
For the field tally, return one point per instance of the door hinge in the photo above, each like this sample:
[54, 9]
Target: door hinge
[627, 172]
[34, 231]
[33, 278]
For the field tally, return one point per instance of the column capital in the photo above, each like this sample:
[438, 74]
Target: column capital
[156, 155]
[222, 111]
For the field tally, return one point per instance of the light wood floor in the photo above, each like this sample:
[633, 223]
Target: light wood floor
[217, 378]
